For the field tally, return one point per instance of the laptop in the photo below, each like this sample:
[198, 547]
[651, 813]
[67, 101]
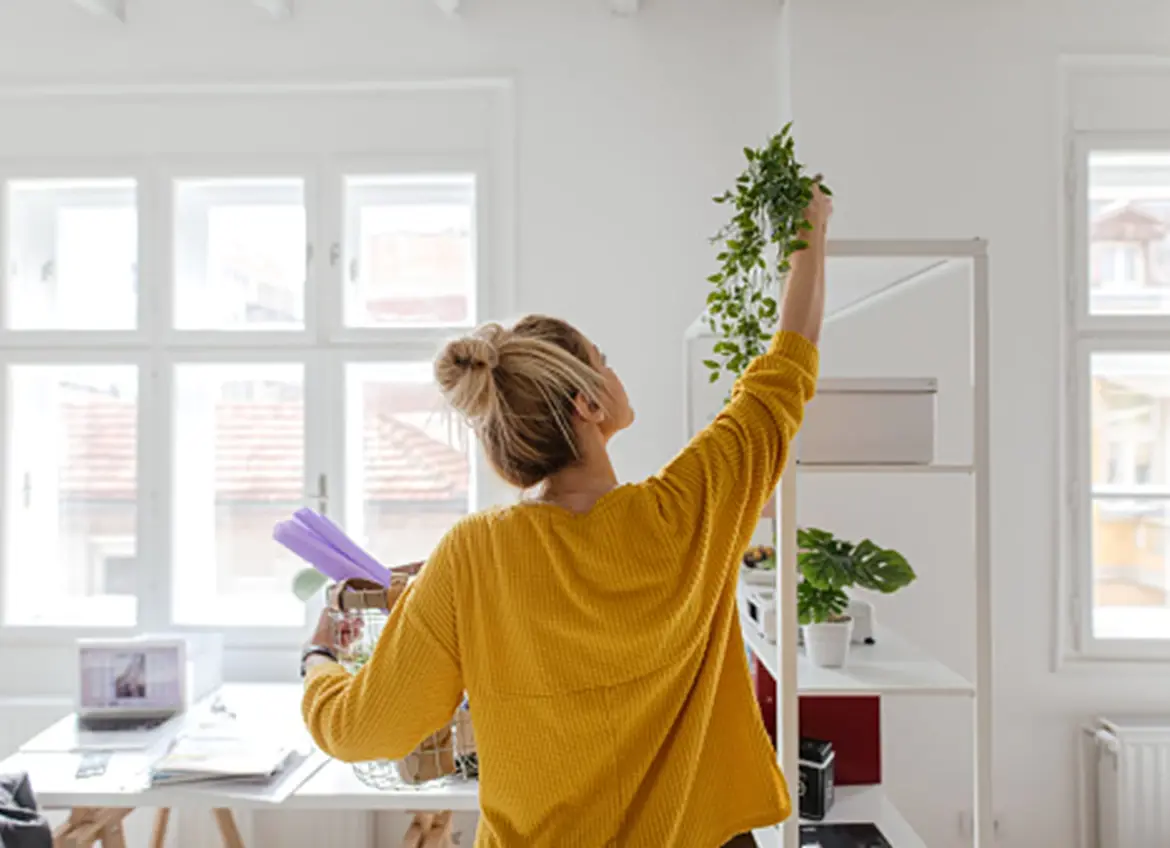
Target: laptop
[131, 696]
[128, 685]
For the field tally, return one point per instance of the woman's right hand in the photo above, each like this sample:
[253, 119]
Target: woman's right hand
[819, 210]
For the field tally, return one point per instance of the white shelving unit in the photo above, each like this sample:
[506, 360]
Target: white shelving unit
[861, 274]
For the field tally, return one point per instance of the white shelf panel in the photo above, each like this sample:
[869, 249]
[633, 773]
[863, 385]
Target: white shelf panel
[858, 805]
[336, 787]
[890, 667]
[870, 805]
[844, 468]
[767, 837]
[858, 279]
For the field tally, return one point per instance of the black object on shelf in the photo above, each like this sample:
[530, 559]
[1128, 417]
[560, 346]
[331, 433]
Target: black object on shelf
[816, 778]
[842, 836]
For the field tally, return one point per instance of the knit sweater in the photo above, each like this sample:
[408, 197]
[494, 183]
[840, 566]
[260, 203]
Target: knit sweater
[601, 651]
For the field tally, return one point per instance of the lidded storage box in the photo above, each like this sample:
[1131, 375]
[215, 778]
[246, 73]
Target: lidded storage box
[362, 607]
[870, 422]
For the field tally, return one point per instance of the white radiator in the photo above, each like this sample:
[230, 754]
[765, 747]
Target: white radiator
[1126, 786]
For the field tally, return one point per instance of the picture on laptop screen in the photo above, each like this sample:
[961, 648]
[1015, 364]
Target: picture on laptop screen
[131, 678]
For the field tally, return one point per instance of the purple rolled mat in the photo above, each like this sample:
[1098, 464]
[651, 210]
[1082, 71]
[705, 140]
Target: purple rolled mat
[312, 549]
[335, 537]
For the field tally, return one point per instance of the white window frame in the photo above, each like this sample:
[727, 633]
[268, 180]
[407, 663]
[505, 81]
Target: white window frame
[1085, 334]
[324, 345]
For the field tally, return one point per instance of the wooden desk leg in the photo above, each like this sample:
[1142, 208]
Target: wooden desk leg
[428, 830]
[228, 832]
[113, 836]
[62, 836]
[88, 826]
[440, 833]
[158, 836]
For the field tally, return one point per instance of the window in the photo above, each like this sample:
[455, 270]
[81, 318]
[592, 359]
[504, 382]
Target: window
[1120, 390]
[72, 493]
[410, 248]
[179, 386]
[241, 254]
[72, 254]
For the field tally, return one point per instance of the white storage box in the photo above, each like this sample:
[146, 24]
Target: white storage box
[870, 422]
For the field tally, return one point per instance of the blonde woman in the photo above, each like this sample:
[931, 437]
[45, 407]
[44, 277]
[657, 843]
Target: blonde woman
[593, 625]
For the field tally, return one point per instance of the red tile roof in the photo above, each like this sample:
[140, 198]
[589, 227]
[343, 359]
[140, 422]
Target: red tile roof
[259, 455]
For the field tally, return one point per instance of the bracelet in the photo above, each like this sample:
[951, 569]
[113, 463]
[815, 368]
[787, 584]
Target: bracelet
[316, 651]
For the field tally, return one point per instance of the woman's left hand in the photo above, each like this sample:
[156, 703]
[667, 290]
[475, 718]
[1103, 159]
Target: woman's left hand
[336, 634]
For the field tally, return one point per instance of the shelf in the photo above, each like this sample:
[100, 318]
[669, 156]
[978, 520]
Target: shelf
[336, 787]
[858, 805]
[846, 468]
[860, 278]
[871, 805]
[890, 667]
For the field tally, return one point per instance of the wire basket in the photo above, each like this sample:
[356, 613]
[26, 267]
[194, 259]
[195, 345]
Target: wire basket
[449, 754]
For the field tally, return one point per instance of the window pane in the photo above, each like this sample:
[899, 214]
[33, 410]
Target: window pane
[72, 250]
[406, 463]
[240, 254]
[1131, 568]
[1129, 225]
[1130, 420]
[72, 495]
[239, 468]
[410, 251]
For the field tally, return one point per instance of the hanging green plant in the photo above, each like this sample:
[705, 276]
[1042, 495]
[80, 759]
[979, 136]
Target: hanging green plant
[755, 249]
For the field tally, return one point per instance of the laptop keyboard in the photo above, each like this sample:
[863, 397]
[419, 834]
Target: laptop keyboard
[111, 724]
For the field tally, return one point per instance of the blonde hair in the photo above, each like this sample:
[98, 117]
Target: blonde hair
[516, 388]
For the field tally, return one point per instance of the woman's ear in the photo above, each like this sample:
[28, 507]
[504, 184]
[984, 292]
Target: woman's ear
[588, 410]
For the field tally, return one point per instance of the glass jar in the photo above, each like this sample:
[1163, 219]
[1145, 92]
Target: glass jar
[449, 754]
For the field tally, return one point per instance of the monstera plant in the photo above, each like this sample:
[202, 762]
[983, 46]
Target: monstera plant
[755, 247]
[828, 566]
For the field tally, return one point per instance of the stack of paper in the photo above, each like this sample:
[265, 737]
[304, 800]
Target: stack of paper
[193, 759]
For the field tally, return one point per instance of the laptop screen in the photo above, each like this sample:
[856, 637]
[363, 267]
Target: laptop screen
[145, 679]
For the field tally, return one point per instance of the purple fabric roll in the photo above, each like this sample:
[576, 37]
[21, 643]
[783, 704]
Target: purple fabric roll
[312, 549]
[335, 537]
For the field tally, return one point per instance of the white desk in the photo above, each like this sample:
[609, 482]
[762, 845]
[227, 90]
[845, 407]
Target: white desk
[318, 783]
[336, 787]
[100, 804]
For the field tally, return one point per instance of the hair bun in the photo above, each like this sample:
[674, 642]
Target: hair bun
[474, 352]
[465, 372]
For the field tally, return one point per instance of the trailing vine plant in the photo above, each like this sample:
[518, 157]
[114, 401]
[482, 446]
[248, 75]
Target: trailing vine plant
[755, 249]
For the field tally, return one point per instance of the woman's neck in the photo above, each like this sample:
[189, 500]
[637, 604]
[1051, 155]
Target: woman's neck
[581, 485]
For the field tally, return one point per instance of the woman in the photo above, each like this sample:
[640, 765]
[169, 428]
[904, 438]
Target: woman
[594, 626]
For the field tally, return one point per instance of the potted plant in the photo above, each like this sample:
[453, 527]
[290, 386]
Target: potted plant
[828, 566]
[755, 249]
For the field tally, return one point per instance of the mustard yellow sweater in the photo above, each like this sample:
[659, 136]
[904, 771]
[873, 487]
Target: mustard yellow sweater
[601, 652]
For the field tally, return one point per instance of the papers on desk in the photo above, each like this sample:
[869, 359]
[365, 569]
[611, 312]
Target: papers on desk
[243, 762]
[192, 759]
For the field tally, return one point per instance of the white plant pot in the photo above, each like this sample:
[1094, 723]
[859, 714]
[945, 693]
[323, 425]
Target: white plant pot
[827, 643]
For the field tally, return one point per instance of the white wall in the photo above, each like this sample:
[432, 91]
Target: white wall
[941, 118]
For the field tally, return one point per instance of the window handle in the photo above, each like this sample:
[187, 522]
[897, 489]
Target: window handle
[321, 496]
[26, 490]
